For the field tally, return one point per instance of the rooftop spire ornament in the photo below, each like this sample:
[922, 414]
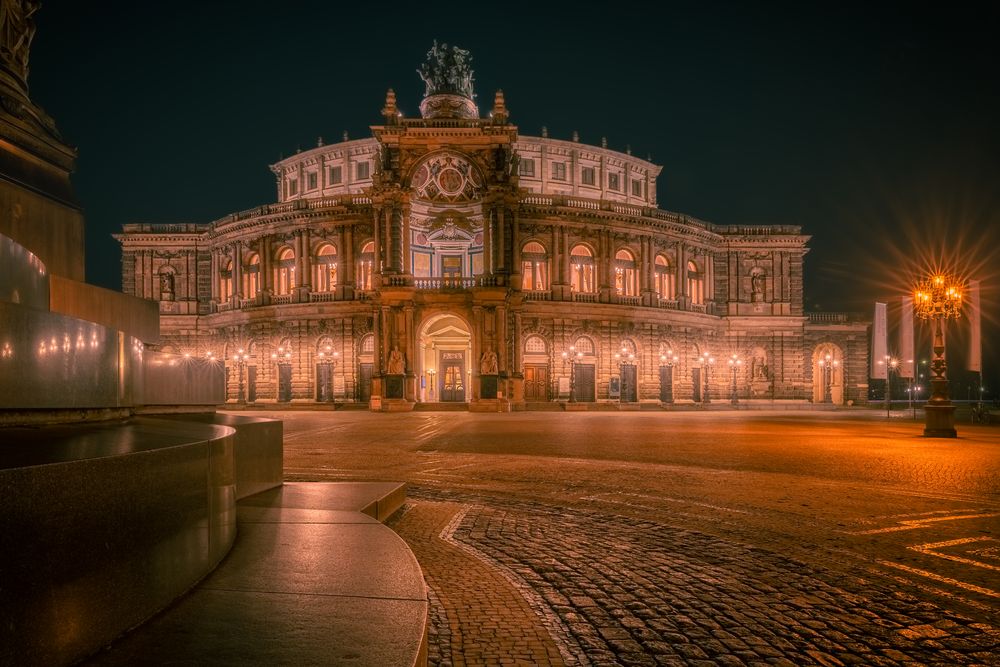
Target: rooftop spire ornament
[939, 298]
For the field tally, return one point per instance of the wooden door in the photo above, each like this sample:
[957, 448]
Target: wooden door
[251, 384]
[666, 384]
[584, 383]
[453, 381]
[536, 382]
[324, 382]
[284, 382]
[364, 388]
[629, 388]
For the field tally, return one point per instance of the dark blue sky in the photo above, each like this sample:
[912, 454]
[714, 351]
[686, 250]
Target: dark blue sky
[876, 129]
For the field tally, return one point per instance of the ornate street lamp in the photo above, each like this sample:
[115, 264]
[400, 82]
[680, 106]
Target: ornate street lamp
[241, 364]
[667, 362]
[827, 365]
[573, 357]
[707, 361]
[734, 362]
[432, 373]
[891, 366]
[938, 299]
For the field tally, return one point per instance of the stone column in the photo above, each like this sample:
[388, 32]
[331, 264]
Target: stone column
[515, 236]
[215, 275]
[237, 274]
[377, 249]
[478, 332]
[396, 238]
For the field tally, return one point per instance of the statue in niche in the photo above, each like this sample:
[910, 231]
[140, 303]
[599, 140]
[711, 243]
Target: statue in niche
[166, 287]
[757, 285]
[447, 71]
[488, 364]
[759, 366]
[397, 363]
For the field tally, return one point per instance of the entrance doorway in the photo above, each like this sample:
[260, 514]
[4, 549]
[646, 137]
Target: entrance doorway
[251, 384]
[666, 384]
[584, 383]
[536, 382]
[629, 389]
[453, 376]
[324, 381]
[445, 359]
[284, 382]
[364, 382]
[696, 384]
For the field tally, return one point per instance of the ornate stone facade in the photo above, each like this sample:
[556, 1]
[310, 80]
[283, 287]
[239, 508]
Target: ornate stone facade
[478, 262]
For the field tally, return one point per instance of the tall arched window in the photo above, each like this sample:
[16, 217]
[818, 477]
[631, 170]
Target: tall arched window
[581, 262]
[663, 273]
[534, 267]
[226, 281]
[584, 345]
[625, 274]
[366, 264]
[251, 276]
[325, 269]
[284, 273]
[695, 283]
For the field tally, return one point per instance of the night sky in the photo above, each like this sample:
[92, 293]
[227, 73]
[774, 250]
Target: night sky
[876, 129]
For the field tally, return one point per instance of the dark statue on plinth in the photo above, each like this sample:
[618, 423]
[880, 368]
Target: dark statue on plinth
[448, 77]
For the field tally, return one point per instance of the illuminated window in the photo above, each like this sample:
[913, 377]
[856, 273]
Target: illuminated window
[226, 282]
[526, 168]
[284, 273]
[614, 181]
[325, 269]
[626, 283]
[584, 346]
[587, 175]
[534, 345]
[534, 267]
[366, 263]
[695, 284]
[558, 171]
[581, 262]
[362, 170]
[251, 276]
[336, 175]
[663, 273]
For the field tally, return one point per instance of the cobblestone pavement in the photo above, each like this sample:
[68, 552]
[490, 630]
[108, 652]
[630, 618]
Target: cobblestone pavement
[686, 539]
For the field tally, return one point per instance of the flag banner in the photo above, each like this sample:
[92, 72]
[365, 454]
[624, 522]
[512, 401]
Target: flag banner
[975, 333]
[906, 339]
[879, 344]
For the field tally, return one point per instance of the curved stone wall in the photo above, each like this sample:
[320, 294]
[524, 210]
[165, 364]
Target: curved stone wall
[103, 526]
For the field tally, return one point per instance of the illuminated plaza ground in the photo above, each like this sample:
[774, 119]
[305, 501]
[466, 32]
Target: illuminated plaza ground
[685, 538]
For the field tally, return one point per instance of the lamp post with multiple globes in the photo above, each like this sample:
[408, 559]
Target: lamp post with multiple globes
[826, 366]
[734, 362]
[573, 357]
[938, 299]
[707, 361]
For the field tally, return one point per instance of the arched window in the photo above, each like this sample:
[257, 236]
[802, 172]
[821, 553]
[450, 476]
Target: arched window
[581, 262]
[325, 269]
[695, 283]
[368, 344]
[584, 346]
[534, 267]
[366, 265]
[534, 345]
[625, 274]
[251, 276]
[666, 280]
[226, 281]
[284, 273]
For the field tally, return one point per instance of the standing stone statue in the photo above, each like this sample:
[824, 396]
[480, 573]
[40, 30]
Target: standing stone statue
[17, 29]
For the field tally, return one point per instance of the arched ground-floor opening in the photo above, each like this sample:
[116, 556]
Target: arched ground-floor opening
[828, 374]
[445, 360]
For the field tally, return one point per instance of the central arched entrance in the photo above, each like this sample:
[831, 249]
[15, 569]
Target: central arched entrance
[445, 358]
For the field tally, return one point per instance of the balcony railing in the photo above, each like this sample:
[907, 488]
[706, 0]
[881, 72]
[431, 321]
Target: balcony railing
[281, 299]
[445, 283]
[316, 297]
[669, 304]
[537, 295]
[831, 318]
[628, 300]
[585, 297]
